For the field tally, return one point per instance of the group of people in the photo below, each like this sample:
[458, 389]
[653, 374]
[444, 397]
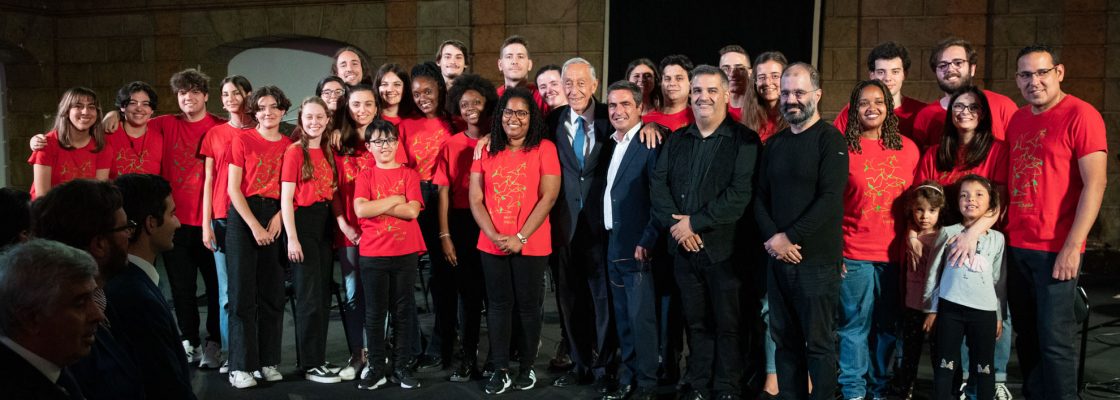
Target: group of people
[699, 202]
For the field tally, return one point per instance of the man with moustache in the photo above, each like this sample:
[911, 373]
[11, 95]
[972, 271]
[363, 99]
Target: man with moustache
[88, 215]
[953, 62]
[736, 64]
[800, 206]
[48, 318]
[700, 189]
[582, 130]
[451, 59]
[550, 87]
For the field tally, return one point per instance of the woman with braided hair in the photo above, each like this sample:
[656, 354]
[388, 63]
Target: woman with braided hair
[880, 169]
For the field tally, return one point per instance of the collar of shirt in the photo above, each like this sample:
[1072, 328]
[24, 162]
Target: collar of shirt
[145, 266]
[722, 129]
[588, 115]
[628, 136]
[45, 367]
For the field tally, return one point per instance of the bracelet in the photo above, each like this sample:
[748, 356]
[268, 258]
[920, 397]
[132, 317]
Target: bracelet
[444, 234]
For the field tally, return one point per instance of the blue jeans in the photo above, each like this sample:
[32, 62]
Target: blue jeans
[867, 327]
[631, 284]
[354, 299]
[769, 345]
[1043, 308]
[219, 226]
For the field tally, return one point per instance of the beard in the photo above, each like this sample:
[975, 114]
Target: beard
[965, 81]
[807, 111]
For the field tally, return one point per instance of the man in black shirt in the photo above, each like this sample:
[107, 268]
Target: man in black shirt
[799, 209]
[700, 188]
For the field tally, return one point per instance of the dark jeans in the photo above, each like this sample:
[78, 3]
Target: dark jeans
[635, 317]
[442, 279]
[388, 283]
[710, 300]
[585, 304]
[803, 300]
[954, 324]
[189, 258]
[1042, 308]
[256, 291]
[515, 289]
[468, 279]
[354, 299]
[311, 279]
[912, 336]
[670, 318]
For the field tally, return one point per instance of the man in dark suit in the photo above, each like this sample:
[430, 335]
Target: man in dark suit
[701, 187]
[137, 309]
[632, 235]
[582, 132]
[47, 318]
[87, 215]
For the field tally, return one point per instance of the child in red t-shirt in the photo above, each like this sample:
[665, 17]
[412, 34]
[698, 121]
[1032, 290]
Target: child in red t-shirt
[75, 147]
[256, 279]
[306, 189]
[387, 201]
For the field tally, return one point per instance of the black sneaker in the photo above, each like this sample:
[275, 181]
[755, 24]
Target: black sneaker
[322, 374]
[464, 372]
[526, 379]
[499, 382]
[372, 378]
[430, 364]
[403, 376]
[488, 370]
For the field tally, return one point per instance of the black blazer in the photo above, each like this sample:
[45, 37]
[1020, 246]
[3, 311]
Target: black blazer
[108, 372]
[141, 318]
[587, 183]
[20, 380]
[724, 190]
[631, 209]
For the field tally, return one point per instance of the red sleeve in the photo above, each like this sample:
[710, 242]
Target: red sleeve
[402, 153]
[237, 152]
[476, 165]
[412, 187]
[927, 166]
[841, 121]
[290, 170]
[1087, 132]
[105, 157]
[207, 147]
[157, 124]
[48, 155]
[550, 163]
[362, 186]
[440, 177]
[1001, 162]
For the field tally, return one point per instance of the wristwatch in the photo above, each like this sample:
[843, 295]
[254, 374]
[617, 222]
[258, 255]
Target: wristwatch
[522, 238]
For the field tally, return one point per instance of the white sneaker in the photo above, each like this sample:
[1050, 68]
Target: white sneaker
[224, 368]
[192, 356]
[349, 372]
[269, 374]
[1002, 392]
[211, 355]
[241, 380]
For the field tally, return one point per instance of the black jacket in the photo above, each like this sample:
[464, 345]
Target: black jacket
[20, 380]
[580, 184]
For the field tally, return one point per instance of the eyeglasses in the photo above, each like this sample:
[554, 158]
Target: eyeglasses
[520, 114]
[1029, 75]
[961, 107]
[766, 78]
[797, 94]
[383, 142]
[129, 226]
[956, 63]
[332, 93]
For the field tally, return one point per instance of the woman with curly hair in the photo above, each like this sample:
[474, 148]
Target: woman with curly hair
[880, 169]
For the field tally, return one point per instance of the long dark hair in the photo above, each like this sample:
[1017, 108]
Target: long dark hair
[406, 107]
[307, 170]
[981, 144]
[654, 100]
[361, 59]
[756, 114]
[888, 135]
[537, 130]
[350, 140]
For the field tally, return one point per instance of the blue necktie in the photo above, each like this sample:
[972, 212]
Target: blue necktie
[578, 141]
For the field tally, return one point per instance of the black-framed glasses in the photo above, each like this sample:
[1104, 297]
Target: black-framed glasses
[1028, 75]
[955, 63]
[520, 114]
[382, 142]
[129, 226]
[961, 107]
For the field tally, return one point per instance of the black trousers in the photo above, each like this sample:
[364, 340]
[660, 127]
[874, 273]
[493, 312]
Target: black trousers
[913, 337]
[388, 283]
[311, 280]
[183, 263]
[467, 277]
[585, 303]
[515, 288]
[710, 300]
[256, 291]
[442, 283]
[670, 318]
[803, 300]
[957, 323]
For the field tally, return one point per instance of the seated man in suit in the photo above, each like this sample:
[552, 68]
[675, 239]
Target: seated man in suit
[47, 318]
[137, 309]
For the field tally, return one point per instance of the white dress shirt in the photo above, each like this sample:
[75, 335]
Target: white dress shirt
[612, 171]
[145, 266]
[588, 127]
[47, 368]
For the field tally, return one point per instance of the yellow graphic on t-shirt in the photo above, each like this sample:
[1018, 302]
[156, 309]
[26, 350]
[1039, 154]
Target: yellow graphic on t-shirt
[424, 149]
[71, 170]
[389, 225]
[882, 185]
[508, 187]
[1026, 167]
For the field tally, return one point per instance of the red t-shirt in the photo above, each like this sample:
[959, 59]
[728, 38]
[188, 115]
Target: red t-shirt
[877, 177]
[906, 114]
[929, 123]
[216, 145]
[420, 140]
[67, 165]
[736, 113]
[182, 165]
[396, 121]
[261, 161]
[383, 235]
[140, 155]
[321, 185]
[672, 121]
[349, 168]
[541, 105]
[994, 167]
[511, 182]
[1045, 180]
[768, 128]
[453, 168]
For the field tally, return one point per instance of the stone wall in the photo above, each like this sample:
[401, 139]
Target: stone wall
[1086, 34]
